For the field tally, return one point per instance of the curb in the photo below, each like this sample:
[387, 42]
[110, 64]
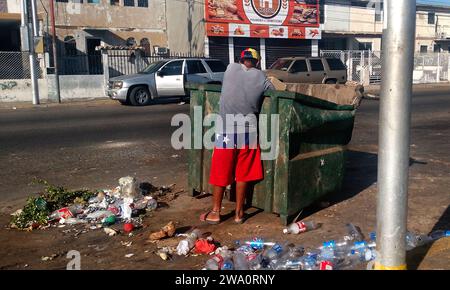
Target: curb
[371, 96]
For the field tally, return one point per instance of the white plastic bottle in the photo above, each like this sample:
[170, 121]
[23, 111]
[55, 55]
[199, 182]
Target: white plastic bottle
[301, 227]
[186, 245]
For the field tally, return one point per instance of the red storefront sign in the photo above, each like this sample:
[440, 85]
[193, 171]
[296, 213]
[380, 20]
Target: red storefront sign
[263, 18]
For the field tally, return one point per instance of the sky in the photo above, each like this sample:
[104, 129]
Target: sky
[436, 2]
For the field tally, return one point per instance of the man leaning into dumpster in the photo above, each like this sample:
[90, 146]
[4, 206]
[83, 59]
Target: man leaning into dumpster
[237, 155]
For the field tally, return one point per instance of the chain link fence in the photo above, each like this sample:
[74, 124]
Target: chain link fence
[359, 63]
[16, 65]
[431, 68]
[365, 67]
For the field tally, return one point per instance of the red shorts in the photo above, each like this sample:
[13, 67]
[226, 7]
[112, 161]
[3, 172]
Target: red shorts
[240, 165]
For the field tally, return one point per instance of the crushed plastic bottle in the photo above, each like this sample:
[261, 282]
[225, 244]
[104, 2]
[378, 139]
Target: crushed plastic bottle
[354, 232]
[186, 245]
[436, 235]
[216, 262]
[416, 240]
[129, 187]
[152, 203]
[240, 261]
[301, 227]
[256, 243]
[126, 208]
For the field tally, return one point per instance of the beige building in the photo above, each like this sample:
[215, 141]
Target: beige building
[81, 25]
[358, 25]
[433, 29]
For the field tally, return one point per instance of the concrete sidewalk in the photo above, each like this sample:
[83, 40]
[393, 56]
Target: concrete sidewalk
[373, 91]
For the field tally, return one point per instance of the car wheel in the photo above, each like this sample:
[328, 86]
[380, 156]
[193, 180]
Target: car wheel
[331, 82]
[140, 96]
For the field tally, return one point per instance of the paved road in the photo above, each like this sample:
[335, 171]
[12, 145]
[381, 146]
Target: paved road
[87, 144]
[93, 144]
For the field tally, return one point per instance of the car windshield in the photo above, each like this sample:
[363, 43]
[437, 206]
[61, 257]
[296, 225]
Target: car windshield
[281, 64]
[153, 67]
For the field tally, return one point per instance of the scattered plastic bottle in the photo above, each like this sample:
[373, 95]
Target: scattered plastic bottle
[256, 243]
[186, 245]
[291, 260]
[227, 264]
[309, 261]
[301, 227]
[240, 261]
[126, 208]
[439, 235]
[152, 204]
[416, 240]
[216, 262]
[354, 232]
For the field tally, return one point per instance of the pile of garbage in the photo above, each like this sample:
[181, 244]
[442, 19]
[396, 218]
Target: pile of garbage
[351, 252]
[127, 203]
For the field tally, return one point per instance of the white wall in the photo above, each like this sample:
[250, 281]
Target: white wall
[72, 87]
[20, 90]
[13, 6]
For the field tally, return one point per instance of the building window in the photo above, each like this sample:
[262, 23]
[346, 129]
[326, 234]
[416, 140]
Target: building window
[93, 1]
[365, 46]
[63, 1]
[378, 16]
[142, 3]
[431, 17]
[423, 48]
[129, 3]
[114, 2]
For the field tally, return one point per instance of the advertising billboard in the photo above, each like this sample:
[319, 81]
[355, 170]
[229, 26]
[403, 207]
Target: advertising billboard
[297, 19]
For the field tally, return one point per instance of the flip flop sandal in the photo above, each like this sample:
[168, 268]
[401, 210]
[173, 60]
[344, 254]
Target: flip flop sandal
[241, 220]
[204, 218]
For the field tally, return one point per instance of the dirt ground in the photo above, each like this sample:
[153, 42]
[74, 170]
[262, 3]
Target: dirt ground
[428, 210]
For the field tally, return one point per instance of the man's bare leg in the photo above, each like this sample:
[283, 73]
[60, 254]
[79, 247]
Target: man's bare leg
[214, 215]
[241, 192]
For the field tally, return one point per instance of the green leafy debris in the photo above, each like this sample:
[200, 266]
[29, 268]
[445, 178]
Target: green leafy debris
[37, 209]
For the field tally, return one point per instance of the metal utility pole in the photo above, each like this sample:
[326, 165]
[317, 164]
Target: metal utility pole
[394, 135]
[55, 52]
[30, 38]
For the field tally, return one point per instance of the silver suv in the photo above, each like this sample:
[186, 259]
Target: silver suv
[309, 70]
[165, 78]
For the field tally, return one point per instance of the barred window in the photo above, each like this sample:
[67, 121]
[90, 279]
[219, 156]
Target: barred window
[129, 3]
[114, 2]
[142, 3]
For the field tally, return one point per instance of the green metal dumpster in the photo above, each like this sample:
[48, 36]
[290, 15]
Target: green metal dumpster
[313, 135]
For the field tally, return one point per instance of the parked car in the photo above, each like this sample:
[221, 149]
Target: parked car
[309, 70]
[165, 78]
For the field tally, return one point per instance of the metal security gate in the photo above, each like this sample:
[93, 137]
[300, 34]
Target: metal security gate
[278, 48]
[363, 66]
[243, 43]
[218, 48]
